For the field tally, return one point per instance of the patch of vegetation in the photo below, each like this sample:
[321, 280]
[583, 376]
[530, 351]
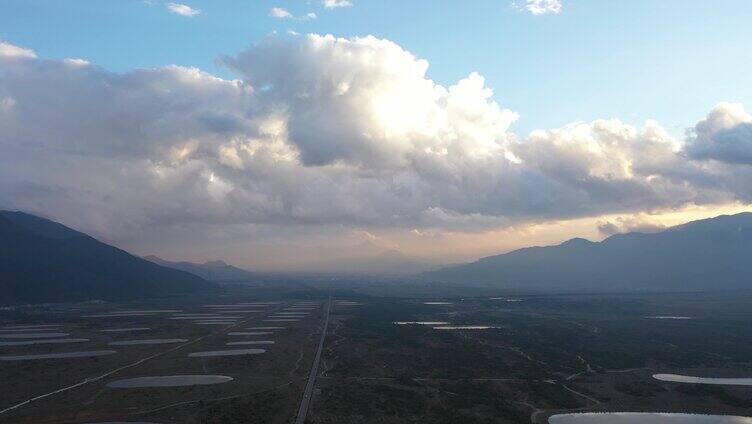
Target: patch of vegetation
[552, 395]
[373, 400]
[640, 388]
[717, 392]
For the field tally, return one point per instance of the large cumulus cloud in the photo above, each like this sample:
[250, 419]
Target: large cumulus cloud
[324, 131]
[366, 101]
[724, 135]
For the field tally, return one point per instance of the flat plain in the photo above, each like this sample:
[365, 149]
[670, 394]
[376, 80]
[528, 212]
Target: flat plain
[262, 387]
[483, 359]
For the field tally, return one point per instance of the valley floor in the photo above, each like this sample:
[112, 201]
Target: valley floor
[479, 360]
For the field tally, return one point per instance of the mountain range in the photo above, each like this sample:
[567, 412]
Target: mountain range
[211, 270]
[709, 254]
[44, 261]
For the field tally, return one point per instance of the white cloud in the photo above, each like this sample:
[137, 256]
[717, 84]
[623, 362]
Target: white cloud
[366, 100]
[540, 7]
[7, 104]
[8, 50]
[75, 61]
[331, 4]
[182, 9]
[282, 13]
[320, 135]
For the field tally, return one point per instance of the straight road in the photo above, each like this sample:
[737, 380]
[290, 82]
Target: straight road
[308, 393]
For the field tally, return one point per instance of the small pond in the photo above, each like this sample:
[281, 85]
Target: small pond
[676, 378]
[645, 418]
[168, 381]
[63, 355]
[232, 352]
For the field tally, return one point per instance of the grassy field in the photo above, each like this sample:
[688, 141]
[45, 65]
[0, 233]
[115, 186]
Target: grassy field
[543, 354]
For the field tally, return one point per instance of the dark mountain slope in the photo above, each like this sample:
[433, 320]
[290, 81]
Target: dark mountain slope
[710, 254]
[43, 261]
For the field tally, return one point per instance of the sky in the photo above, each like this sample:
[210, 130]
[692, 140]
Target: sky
[299, 134]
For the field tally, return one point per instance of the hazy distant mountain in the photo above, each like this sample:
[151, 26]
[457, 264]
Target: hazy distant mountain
[43, 261]
[384, 262]
[710, 254]
[212, 270]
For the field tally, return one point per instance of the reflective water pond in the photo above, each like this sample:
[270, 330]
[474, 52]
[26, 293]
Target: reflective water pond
[32, 335]
[148, 311]
[676, 378]
[27, 330]
[239, 305]
[146, 342]
[124, 329]
[668, 317]
[42, 341]
[224, 317]
[63, 355]
[463, 327]
[232, 352]
[168, 381]
[646, 418]
[192, 317]
[31, 326]
[240, 312]
[124, 422]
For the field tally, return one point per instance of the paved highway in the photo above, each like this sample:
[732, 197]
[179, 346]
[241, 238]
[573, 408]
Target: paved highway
[308, 393]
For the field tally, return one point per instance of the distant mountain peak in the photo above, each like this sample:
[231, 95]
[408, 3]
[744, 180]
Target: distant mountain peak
[709, 254]
[577, 241]
[216, 270]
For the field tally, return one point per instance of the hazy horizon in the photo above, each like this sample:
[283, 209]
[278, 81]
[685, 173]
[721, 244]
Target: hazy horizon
[543, 234]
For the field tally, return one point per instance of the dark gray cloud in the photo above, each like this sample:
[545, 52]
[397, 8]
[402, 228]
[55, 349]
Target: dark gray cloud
[730, 145]
[725, 135]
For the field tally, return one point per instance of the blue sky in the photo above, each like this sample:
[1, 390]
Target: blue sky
[669, 60]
